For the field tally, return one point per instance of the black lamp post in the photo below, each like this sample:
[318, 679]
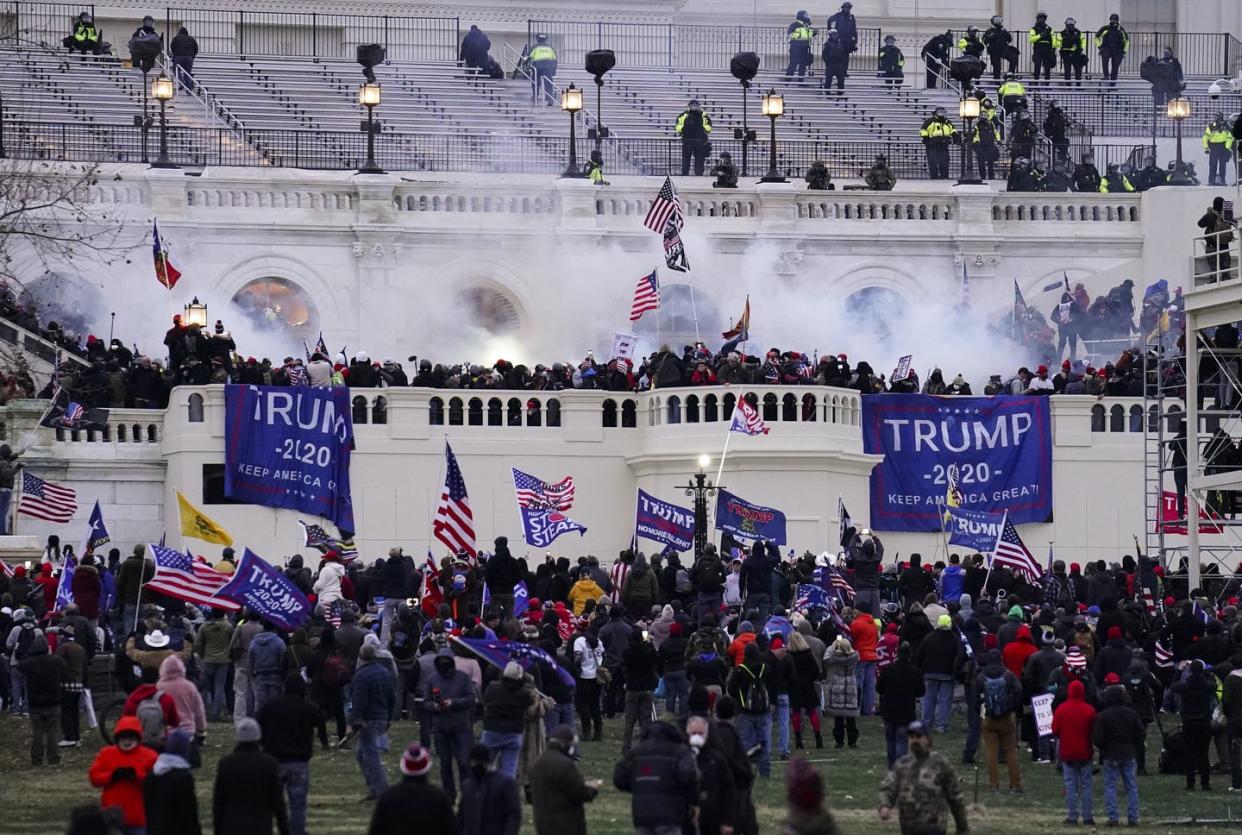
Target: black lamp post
[599, 62]
[968, 108]
[144, 121]
[744, 66]
[700, 489]
[773, 108]
[1179, 111]
[369, 97]
[162, 90]
[571, 103]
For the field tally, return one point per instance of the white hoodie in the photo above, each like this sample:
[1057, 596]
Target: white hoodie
[328, 585]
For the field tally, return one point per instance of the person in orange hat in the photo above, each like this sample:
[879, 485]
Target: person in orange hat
[120, 770]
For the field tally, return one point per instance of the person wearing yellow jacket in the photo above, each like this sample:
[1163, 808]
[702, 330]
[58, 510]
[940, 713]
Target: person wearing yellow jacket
[1114, 181]
[695, 128]
[1043, 48]
[800, 35]
[1113, 42]
[937, 133]
[1071, 42]
[1218, 145]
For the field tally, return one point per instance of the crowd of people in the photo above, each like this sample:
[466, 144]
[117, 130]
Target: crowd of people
[745, 663]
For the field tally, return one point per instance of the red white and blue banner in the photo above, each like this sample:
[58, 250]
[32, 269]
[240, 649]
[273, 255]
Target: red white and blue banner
[263, 588]
[749, 521]
[290, 447]
[664, 522]
[1001, 447]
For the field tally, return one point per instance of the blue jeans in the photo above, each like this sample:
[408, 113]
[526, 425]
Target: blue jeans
[505, 748]
[782, 723]
[1128, 772]
[756, 729]
[676, 692]
[557, 716]
[266, 688]
[211, 686]
[295, 777]
[17, 690]
[865, 676]
[1077, 778]
[895, 741]
[937, 700]
[6, 499]
[762, 605]
[367, 752]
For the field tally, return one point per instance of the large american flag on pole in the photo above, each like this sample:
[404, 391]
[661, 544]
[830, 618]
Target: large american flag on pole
[1012, 553]
[454, 523]
[534, 493]
[44, 500]
[665, 208]
[746, 419]
[646, 296]
[184, 577]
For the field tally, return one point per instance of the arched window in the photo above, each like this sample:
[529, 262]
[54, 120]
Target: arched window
[534, 412]
[610, 414]
[653, 411]
[455, 411]
[553, 408]
[360, 409]
[474, 412]
[1117, 418]
[629, 414]
[711, 409]
[136, 433]
[692, 409]
[729, 402]
[1136, 418]
[278, 305]
[379, 411]
[1097, 418]
[769, 407]
[514, 412]
[121, 433]
[674, 409]
[789, 408]
[435, 411]
[153, 434]
[809, 407]
[194, 408]
[495, 412]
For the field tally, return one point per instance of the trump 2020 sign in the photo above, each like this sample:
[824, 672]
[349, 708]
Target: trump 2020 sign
[290, 447]
[997, 449]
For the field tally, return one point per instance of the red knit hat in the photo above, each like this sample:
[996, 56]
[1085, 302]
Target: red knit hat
[1112, 678]
[989, 641]
[674, 631]
[1075, 567]
[1113, 632]
[416, 761]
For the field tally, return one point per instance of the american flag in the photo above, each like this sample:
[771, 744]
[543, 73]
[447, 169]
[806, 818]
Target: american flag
[646, 296]
[811, 597]
[531, 492]
[842, 585]
[1149, 602]
[6, 569]
[73, 413]
[1164, 658]
[1011, 552]
[746, 419]
[44, 500]
[314, 536]
[188, 578]
[165, 272]
[454, 523]
[665, 208]
[674, 250]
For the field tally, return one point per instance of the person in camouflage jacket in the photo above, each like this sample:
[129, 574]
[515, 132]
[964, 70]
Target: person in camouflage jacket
[923, 788]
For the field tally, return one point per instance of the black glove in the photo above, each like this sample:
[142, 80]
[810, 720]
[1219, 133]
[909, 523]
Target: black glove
[124, 773]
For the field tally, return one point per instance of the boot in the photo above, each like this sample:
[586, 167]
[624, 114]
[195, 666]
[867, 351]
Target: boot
[797, 739]
[819, 740]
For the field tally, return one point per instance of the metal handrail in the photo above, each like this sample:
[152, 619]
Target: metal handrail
[213, 108]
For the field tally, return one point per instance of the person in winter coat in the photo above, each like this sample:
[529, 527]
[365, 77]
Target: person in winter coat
[504, 710]
[185, 695]
[87, 590]
[641, 590]
[120, 770]
[184, 49]
[804, 688]
[247, 796]
[44, 674]
[414, 799]
[372, 694]
[474, 48]
[168, 793]
[841, 691]
[804, 789]
[1000, 692]
[288, 725]
[756, 581]
[1113, 657]
[864, 637]
[737, 647]
[329, 673]
[558, 791]
[327, 586]
[1116, 733]
[940, 657]
[489, 799]
[1196, 696]
[585, 588]
[1072, 725]
[952, 582]
[72, 685]
[211, 645]
[1231, 705]
[660, 775]
[450, 693]
[640, 666]
[900, 686]
[916, 626]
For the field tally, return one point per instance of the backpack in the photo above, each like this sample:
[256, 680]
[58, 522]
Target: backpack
[150, 714]
[711, 574]
[997, 700]
[752, 692]
[682, 584]
[335, 671]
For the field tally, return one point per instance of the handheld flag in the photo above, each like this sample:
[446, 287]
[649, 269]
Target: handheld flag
[314, 536]
[432, 595]
[534, 493]
[674, 250]
[975, 529]
[541, 526]
[845, 528]
[964, 299]
[499, 653]
[265, 589]
[746, 419]
[454, 523]
[646, 296]
[97, 535]
[741, 330]
[811, 597]
[665, 210]
[1019, 303]
[521, 599]
[165, 272]
[64, 413]
[179, 575]
[1010, 551]
[197, 525]
[45, 500]
[64, 589]
[952, 493]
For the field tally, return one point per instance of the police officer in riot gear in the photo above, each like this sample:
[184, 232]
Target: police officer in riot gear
[936, 57]
[937, 134]
[1043, 50]
[971, 43]
[1072, 43]
[694, 127]
[1113, 42]
[1218, 145]
[999, 45]
[800, 35]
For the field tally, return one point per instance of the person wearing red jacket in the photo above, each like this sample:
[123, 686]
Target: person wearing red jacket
[146, 690]
[120, 770]
[865, 637]
[47, 583]
[1072, 723]
[1018, 650]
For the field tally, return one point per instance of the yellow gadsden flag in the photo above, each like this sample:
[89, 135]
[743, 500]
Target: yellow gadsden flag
[196, 525]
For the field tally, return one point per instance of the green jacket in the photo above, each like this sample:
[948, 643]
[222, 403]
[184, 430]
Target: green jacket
[212, 642]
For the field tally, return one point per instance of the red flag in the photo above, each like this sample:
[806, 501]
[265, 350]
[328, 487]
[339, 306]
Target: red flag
[432, 595]
[165, 272]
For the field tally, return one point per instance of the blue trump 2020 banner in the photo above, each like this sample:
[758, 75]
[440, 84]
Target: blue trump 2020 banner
[664, 522]
[263, 587]
[290, 447]
[978, 530]
[749, 521]
[1000, 449]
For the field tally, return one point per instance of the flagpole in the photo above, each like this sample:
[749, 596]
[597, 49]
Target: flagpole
[992, 558]
[693, 309]
[944, 536]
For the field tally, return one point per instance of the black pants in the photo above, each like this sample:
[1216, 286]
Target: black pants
[1044, 59]
[933, 67]
[799, 59]
[696, 148]
[938, 160]
[586, 705]
[996, 59]
[1218, 164]
[1110, 62]
[614, 693]
[1069, 61]
[1198, 737]
[838, 72]
[70, 715]
[339, 713]
[986, 157]
[845, 728]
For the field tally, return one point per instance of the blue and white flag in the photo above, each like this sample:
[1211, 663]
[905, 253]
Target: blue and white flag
[264, 588]
[499, 653]
[975, 529]
[664, 522]
[521, 599]
[64, 591]
[1202, 614]
[98, 533]
[811, 597]
[778, 625]
[541, 526]
[487, 596]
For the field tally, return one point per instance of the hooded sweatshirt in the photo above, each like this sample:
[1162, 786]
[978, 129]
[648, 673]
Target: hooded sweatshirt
[952, 584]
[125, 793]
[192, 716]
[1017, 651]
[1072, 724]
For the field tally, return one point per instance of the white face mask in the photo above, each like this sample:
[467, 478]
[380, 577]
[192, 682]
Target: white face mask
[698, 740]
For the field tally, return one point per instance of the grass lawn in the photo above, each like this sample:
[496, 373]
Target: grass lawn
[38, 800]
